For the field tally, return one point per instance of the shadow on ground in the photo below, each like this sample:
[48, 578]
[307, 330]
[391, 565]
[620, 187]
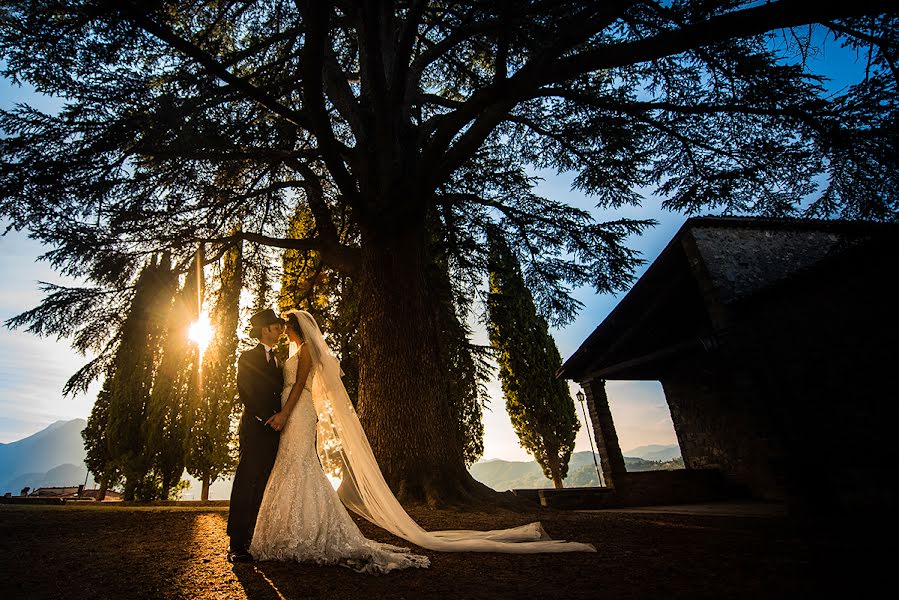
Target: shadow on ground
[179, 552]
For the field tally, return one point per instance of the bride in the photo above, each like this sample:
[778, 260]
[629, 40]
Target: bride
[303, 518]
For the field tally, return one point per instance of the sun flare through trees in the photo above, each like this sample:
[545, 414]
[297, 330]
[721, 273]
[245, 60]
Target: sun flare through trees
[403, 132]
[200, 333]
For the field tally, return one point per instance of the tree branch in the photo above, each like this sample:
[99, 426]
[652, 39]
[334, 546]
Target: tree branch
[324, 220]
[342, 258]
[371, 59]
[165, 34]
[263, 154]
[488, 106]
[313, 87]
[338, 90]
[736, 24]
[537, 128]
[881, 44]
[790, 112]
[439, 49]
[406, 45]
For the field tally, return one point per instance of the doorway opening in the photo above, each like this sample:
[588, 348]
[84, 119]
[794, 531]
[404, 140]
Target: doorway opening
[644, 427]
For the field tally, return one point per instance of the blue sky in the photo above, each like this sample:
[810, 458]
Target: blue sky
[33, 370]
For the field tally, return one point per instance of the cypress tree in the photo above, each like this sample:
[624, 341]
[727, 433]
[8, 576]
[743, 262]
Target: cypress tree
[463, 364]
[131, 381]
[263, 286]
[167, 424]
[209, 448]
[98, 458]
[464, 377]
[540, 406]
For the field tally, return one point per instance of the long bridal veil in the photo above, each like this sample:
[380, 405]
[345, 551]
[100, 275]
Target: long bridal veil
[345, 453]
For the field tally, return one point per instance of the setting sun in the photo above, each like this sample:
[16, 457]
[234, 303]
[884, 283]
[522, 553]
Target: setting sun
[200, 332]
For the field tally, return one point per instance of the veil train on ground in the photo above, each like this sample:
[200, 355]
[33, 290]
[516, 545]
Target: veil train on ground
[345, 453]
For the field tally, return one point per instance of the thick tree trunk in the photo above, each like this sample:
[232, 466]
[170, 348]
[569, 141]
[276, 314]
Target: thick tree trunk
[204, 492]
[555, 467]
[403, 404]
[104, 485]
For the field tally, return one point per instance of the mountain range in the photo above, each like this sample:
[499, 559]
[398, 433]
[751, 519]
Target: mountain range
[506, 475]
[655, 452]
[55, 457]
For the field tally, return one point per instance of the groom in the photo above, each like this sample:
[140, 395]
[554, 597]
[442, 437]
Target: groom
[259, 382]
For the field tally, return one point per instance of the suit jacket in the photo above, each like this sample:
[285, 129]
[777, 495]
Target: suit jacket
[259, 386]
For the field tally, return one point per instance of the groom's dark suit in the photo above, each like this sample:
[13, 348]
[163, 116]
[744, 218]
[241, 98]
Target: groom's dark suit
[259, 384]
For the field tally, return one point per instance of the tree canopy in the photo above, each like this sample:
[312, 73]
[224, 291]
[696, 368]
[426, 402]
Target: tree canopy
[416, 126]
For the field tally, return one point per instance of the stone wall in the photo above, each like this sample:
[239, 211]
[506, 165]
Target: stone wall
[650, 488]
[792, 394]
[717, 430]
[603, 427]
[821, 354]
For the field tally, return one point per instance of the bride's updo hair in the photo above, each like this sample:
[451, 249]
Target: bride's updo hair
[294, 325]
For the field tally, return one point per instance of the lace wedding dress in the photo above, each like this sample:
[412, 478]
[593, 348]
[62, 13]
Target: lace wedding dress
[301, 517]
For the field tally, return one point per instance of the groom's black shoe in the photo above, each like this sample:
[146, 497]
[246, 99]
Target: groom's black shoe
[237, 556]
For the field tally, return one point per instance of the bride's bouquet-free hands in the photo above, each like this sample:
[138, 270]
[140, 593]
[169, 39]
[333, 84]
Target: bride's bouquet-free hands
[277, 421]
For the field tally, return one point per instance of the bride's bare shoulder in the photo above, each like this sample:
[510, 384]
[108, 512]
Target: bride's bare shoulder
[303, 354]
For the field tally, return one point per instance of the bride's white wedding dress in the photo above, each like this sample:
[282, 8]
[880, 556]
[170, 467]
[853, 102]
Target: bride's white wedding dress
[301, 517]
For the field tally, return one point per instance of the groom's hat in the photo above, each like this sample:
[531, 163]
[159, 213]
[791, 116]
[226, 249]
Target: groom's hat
[262, 319]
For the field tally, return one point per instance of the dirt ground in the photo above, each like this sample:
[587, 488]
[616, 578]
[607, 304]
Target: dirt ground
[129, 551]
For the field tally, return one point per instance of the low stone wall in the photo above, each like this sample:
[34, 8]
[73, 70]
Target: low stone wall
[30, 500]
[570, 498]
[648, 488]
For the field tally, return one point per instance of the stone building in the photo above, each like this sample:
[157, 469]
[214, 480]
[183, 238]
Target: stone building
[775, 344]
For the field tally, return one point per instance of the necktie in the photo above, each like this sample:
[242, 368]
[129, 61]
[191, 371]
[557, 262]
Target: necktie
[272, 361]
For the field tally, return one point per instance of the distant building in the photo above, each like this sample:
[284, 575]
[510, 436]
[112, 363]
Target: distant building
[775, 344]
[72, 493]
[55, 492]
[94, 493]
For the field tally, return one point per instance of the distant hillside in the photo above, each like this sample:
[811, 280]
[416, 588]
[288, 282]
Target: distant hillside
[57, 445]
[55, 457]
[62, 476]
[506, 475]
[655, 452]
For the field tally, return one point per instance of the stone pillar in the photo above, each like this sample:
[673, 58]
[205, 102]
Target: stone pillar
[607, 446]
